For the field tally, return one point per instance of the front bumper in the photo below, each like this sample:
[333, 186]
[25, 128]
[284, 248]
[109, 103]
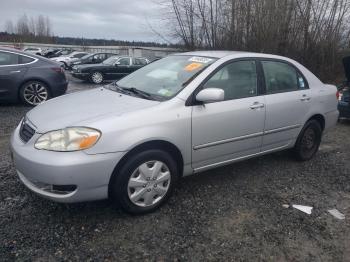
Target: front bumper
[44, 171]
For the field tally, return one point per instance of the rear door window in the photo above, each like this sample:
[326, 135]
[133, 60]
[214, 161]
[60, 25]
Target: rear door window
[281, 77]
[124, 61]
[140, 61]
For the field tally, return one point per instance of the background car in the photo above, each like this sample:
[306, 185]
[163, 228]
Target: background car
[113, 68]
[344, 92]
[64, 60]
[33, 50]
[49, 53]
[62, 52]
[95, 58]
[29, 78]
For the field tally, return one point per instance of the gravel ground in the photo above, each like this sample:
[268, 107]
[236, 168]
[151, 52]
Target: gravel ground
[232, 213]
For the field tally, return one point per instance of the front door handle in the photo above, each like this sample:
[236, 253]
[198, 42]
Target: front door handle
[15, 72]
[257, 105]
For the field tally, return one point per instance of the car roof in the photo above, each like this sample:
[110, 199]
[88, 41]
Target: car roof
[215, 54]
[13, 50]
[41, 58]
[222, 54]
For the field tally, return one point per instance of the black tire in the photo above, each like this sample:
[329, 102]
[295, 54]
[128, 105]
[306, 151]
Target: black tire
[118, 187]
[96, 80]
[23, 93]
[308, 141]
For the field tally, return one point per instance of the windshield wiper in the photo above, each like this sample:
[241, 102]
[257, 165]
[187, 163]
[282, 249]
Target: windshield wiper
[133, 90]
[138, 92]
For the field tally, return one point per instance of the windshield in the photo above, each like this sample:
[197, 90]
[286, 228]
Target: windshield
[111, 60]
[166, 77]
[86, 56]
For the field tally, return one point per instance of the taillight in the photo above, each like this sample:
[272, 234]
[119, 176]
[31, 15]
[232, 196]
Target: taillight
[58, 70]
[337, 95]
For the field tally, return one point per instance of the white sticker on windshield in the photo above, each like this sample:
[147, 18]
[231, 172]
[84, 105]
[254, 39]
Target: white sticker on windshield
[199, 59]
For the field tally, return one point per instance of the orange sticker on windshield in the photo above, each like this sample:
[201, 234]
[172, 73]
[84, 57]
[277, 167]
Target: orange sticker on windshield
[193, 66]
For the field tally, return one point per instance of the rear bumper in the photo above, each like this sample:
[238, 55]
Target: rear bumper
[331, 119]
[58, 89]
[82, 76]
[344, 110]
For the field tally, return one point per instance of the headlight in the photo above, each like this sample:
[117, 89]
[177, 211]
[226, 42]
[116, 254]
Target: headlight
[68, 139]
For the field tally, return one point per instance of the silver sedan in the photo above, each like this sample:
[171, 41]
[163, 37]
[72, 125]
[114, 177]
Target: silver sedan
[132, 140]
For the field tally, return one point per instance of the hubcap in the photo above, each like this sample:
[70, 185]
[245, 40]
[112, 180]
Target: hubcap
[35, 93]
[97, 77]
[309, 139]
[149, 183]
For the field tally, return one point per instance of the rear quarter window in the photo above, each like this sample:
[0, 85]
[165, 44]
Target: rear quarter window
[25, 59]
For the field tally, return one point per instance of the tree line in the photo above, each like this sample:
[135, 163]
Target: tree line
[314, 32]
[39, 30]
[30, 29]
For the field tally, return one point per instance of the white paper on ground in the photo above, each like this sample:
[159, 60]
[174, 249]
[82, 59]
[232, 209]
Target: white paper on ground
[336, 214]
[304, 209]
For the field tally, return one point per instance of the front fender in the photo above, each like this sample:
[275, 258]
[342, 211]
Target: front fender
[123, 133]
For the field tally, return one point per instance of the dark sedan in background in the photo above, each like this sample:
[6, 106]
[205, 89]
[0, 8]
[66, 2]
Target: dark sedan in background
[344, 92]
[95, 58]
[113, 68]
[29, 78]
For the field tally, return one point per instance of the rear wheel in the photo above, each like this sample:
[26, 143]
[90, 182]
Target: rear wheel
[144, 182]
[308, 141]
[97, 77]
[34, 92]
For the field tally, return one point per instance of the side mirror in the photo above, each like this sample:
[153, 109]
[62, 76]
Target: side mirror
[210, 95]
[116, 63]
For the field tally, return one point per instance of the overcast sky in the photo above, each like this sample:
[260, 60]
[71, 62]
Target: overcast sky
[110, 19]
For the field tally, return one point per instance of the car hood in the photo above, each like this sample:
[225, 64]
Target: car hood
[346, 63]
[73, 109]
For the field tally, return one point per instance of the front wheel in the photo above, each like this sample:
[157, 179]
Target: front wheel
[96, 77]
[144, 182]
[308, 141]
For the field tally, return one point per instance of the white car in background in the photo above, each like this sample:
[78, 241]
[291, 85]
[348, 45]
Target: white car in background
[68, 59]
[33, 50]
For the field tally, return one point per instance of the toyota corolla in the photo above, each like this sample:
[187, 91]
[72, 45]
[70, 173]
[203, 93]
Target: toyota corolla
[132, 140]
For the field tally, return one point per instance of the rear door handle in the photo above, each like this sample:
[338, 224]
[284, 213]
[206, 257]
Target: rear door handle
[305, 98]
[257, 105]
[15, 72]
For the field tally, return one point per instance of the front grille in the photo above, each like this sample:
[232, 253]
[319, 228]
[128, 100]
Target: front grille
[26, 132]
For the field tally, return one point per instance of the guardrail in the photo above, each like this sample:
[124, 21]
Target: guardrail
[135, 51]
